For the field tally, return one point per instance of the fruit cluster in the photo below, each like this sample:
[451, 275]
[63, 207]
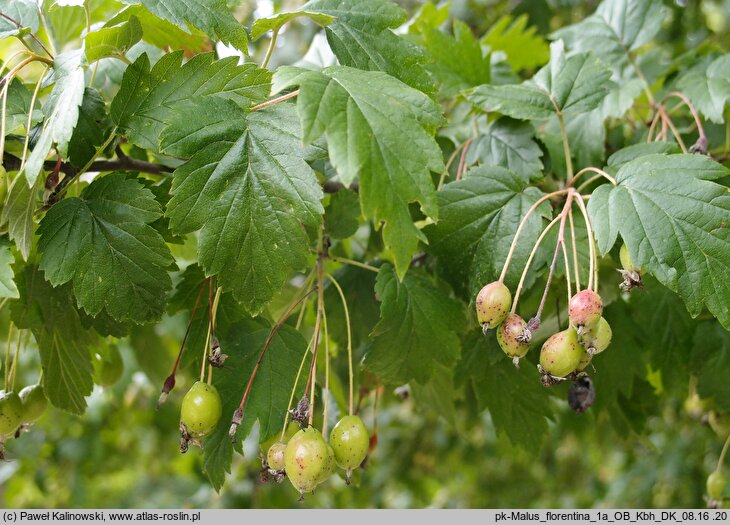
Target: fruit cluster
[565, 355]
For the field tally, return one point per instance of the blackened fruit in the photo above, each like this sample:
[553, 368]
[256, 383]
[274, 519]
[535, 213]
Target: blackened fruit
[275, 456]
[305, 459]
[350, 442]
[508, 336]
[716, 483]
[201, 409]
[11, 413]
[597, 338]
[561, 353]
[34, 402]
[585, 309]
[493, 304]
[581, 395]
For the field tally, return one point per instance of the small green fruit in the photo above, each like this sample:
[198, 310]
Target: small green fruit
[493, 303]
[275, 456]
[585, 360]
[716, 483]
[508, 336]
[561, 353]
[598, 337]
[585, 309]
[291, 429]
[34, 402]
[108, 368]
[11, 413]
[305, 459]
[201, 409]
[350, 441]
[330, 465]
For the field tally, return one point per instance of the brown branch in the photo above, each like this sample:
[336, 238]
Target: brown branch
[12, 163]
[20, 26]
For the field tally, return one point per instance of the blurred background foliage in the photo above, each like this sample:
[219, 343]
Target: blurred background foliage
[430, 453]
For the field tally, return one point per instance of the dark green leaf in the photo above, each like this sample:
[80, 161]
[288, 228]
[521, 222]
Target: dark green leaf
[19, 210]
[102, 242]
[147, 98]
[360, 37]
[249, 191]
[479, 218]
[391, 150]
[342, 216]
[711, 361]
[673, 220]
[91, 129]
[419, 323]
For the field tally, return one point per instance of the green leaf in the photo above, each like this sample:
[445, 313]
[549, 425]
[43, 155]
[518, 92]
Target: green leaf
[7, 285]
[617, 28]
[147, 98]
[479, 218]
[524, 47]
[708, 87]
[418, 328]
[249, 191]
[18, 107]
[360, 37]
[472, 67]
[342, 217]
[711, 361]
[392, 151]
[23, 11]
[91, 129]
[159, 32]
[110, 41]
[18, 213]
[510, 144]
[673, 221]
[102, 242]
[514, 396]
[63, 342]
[635, 151]
[61, 112]
[567, 85]
[275, 22]
[586, 136]
[269, 397]
[210, 16]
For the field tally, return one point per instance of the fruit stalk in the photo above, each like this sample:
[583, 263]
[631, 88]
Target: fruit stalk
[721, 459]
[593, 265]
[349, 341]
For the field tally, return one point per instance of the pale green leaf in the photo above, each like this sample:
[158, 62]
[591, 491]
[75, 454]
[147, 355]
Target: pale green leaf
[159, 32]
[617, 28]
[8, 287]
[249, 191]
[524, 47]
[418, 328]
[708, 87]
[61, 112]
[20, 207]
[673, 219]
[275, 22]
[102, 242]
[18, 106]
[110, 41]
[23, 11]
[210, 16]
[380, 130]
[147, 98]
